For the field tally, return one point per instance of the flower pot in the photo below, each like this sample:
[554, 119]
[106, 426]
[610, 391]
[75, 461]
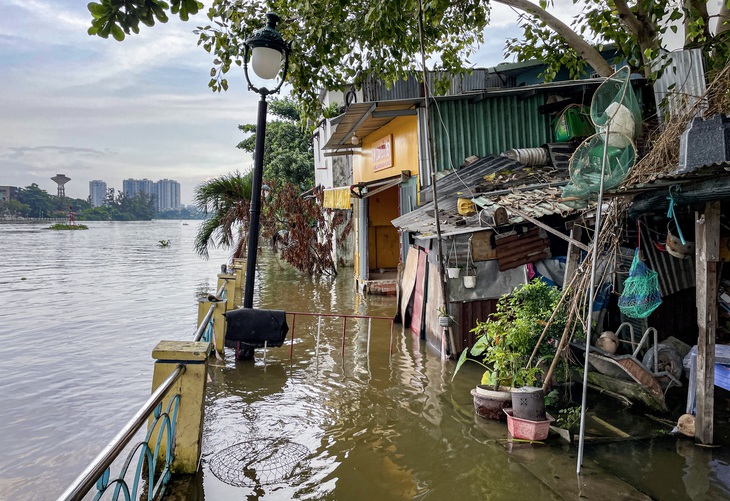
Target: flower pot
[453, 272]
[470, 281]
[528, 403]
[444, 321]
[526, 429]
[489, 403]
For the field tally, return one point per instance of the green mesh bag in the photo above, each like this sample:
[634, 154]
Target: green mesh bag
[641, 291]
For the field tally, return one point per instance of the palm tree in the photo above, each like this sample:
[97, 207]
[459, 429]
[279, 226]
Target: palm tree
[226, 200]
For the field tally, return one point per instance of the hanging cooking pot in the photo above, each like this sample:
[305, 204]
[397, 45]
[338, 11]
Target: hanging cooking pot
[674, 244]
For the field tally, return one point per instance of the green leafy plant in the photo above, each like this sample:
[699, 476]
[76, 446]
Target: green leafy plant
[506, 340]
[568, 417]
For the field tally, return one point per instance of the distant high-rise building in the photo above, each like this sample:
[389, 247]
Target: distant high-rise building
[8, 193]
[133, 186]
[97, 193]
[167, 195]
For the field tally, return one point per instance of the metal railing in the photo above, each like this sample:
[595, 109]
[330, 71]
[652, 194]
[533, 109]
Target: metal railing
[98, 472]
[344, 327]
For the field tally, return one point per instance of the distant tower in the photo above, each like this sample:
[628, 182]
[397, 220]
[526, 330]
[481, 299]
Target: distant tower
[61, 180]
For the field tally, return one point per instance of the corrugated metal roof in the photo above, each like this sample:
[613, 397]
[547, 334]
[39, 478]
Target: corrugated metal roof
[366, 118]
[534, 191]
[682, 83]
[462, 128]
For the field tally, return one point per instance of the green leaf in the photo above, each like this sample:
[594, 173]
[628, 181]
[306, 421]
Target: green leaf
[97, 10]
[461, 361]
[117, 33]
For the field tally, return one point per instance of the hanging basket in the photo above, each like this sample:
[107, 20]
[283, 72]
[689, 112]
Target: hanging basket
[453, 272]
[470, 281]
[641, 291]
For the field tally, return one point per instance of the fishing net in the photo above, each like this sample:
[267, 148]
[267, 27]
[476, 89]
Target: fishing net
[641, 291]
[616, 115]
[258, 462]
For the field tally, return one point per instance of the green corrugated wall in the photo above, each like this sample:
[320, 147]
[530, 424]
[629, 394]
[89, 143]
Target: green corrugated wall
[490, 126]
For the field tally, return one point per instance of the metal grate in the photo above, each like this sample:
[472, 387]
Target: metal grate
[258, 462]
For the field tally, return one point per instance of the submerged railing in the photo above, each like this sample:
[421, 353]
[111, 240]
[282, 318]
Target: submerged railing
[344, 318]
[99, 471]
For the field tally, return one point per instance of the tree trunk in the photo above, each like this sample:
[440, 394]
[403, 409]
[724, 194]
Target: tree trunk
[586, 51]
[645, 31]
[695, 10]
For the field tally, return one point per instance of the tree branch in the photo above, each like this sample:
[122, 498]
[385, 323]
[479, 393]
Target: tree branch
[586, 51]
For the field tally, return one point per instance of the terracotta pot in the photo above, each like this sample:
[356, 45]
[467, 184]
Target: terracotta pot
[489, 403]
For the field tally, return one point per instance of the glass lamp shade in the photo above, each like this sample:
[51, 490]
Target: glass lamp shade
[266, 62]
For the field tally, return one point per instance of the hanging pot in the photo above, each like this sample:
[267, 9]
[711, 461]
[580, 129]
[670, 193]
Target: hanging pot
[674, 244]
[453, 272]
[470, 281]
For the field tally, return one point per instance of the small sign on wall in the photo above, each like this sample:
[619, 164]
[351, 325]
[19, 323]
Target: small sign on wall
[383, 153]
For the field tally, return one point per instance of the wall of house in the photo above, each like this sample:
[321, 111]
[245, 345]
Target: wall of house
[488, 127]
[404, 131]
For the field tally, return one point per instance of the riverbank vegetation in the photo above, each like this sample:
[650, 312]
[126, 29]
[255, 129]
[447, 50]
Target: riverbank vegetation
[62, 226]
[34, 202]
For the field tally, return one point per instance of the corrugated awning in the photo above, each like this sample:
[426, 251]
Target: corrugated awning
[365, 118]
[337, 198]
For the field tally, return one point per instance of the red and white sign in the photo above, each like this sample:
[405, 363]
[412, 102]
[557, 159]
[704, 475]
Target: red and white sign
[383, 153]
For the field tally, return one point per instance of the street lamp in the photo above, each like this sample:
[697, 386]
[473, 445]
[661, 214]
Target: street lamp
[267, 51]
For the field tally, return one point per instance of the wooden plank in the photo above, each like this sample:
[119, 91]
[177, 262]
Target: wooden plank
[707, 254]
[419, 295]
[408, 282]
[573, 259]
[481, 246]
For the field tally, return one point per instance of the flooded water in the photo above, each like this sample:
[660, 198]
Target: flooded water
[83, 310]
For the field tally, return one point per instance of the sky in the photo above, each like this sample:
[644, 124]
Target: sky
[91, 108]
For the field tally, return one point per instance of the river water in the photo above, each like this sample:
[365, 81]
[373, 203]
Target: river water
[82, 311]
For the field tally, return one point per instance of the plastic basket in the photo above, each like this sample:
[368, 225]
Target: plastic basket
[526, 429]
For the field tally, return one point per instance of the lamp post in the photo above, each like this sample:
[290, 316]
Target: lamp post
[267, 51]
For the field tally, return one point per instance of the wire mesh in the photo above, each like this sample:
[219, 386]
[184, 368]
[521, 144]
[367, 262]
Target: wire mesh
[258, 462]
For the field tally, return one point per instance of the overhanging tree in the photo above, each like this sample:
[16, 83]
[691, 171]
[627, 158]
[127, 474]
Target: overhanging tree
[341, 43]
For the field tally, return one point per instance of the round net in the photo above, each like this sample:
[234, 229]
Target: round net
[641, 291]
[258, 462]
[585, 166]
[616, 115]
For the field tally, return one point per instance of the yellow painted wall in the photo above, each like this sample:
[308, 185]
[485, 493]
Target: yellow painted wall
[405, 151]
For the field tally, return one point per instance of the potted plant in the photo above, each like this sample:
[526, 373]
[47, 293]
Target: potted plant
[453, 270]
[445, 319]
[470, 279]
[505, 341]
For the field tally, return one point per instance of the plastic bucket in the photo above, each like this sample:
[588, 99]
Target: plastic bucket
[528, 403]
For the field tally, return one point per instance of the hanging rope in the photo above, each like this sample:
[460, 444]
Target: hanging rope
[674, 190]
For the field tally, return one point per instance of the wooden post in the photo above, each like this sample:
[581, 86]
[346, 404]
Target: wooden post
[707, 235]
[573, 258]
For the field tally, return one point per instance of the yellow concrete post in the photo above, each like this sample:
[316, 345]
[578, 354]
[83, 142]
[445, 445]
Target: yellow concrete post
[191, 388]
[230, 284]
[240, 274]
[219, 322]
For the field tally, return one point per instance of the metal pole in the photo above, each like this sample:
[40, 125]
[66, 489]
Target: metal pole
[253, 225]
[432, 172]
[591, 299]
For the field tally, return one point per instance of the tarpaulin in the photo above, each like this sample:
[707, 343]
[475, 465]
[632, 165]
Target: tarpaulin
[337, 198]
